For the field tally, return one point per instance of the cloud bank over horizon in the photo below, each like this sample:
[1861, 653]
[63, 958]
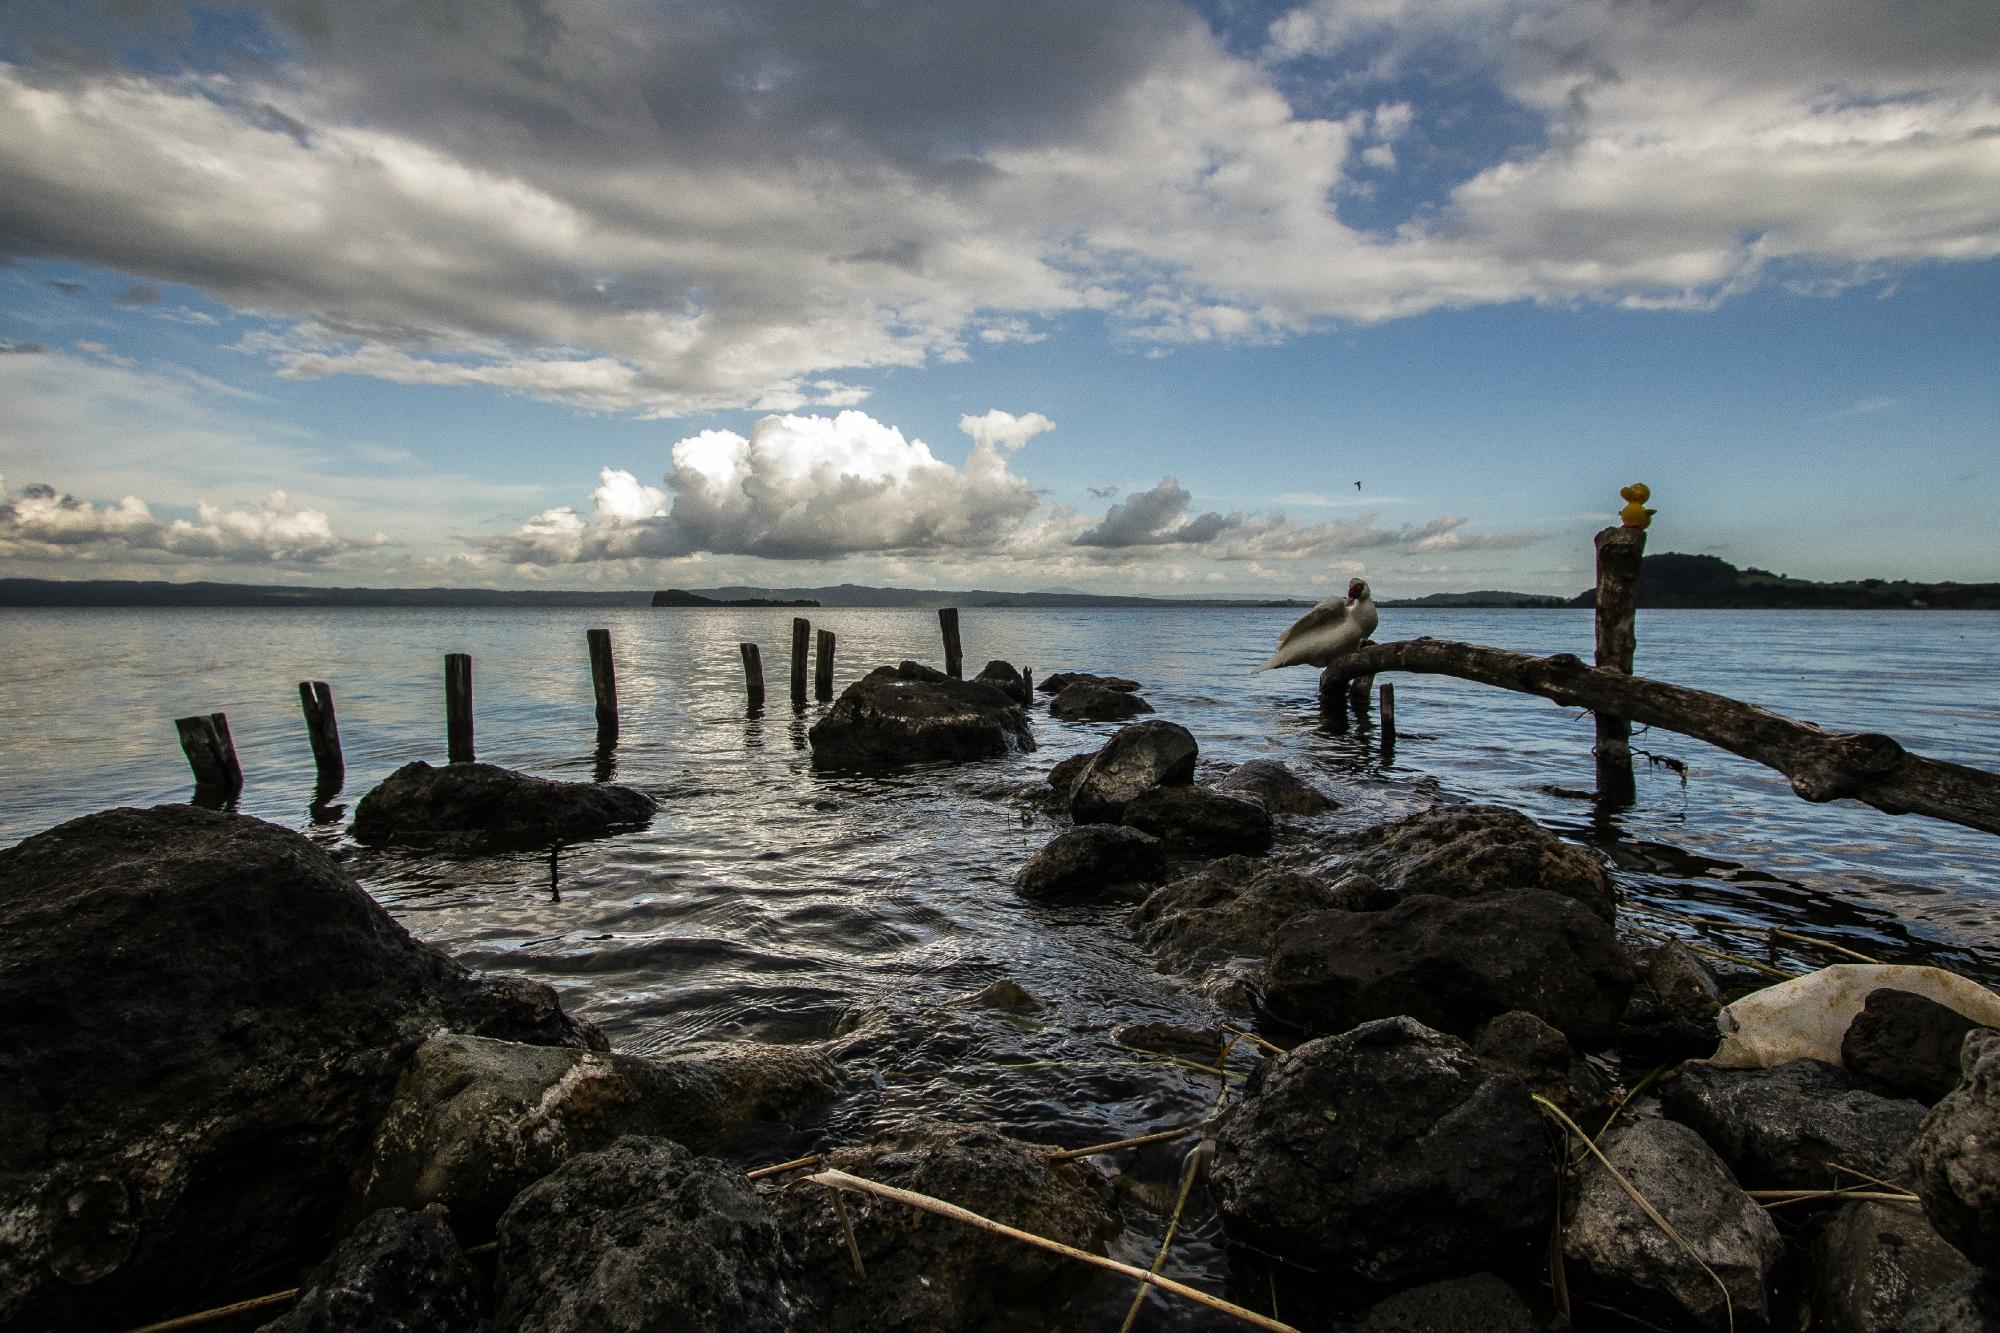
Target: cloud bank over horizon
[42, 523]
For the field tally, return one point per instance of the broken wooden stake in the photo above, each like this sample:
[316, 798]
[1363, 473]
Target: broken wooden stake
[823, 666]
[604, 685]
[753, 675]
[211, 754]
[1618, 554]
[323, 733]
[801, 647]
[458, 707]
[954, 657]
[1388, 718]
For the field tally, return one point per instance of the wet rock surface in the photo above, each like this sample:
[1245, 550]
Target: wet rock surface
[1620, 1261]
[1453, 964]
[1905, 1045]
[1084, 861]
[1275, 787]
[397, 1272]
[1970, 1305]
[643, 1235]
[1481, 1303]
[1094, 703]
[1520, 1044]
[1474, 851]
[1062, 680]
[1003, 677]
[1787, 1127]
[1874, 1263]
[928, 1273]
[474, 1122]
[1386, 1153]
[483, 807]
[1200, 821]
[1232, 907]
[206, 1017]
[910, 713]
[1136, 758]
[1957, 1155]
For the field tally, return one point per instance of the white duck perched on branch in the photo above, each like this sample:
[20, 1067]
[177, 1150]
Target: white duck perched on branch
[1335, 627]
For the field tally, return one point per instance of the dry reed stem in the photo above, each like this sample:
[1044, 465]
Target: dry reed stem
[1717, 954]
[763, 1171]
[847, 1230]
[1071, 1154]
[201, 1317]
[834, 1179]
[1769, 1199]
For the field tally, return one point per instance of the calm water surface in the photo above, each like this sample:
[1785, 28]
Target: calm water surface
[768, 901]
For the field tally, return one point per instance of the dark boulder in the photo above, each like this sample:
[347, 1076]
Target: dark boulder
[1275, 787]
[1957, 1155]
[483, 807]
[1083, 861]
[396, 1272]
[205, 1018]
[1476, 851]
[1873, 1263]
[643, 1235]
[910, 713]
[1230, 908]
[1094, 703]
[1671, 1016]
[1905, 1045]
[474, 1122]
[1138, 757]
[1003, 677]
[1066, 771]
[1619, 1260]
[1388, 1154]
[1970, 1305]
[1062, 680]
[928, 1273]
[1789, 1126]
[1520, 1044]
[1681, 985]
[1481, 1302]
[1200, 821]
[1453, 965]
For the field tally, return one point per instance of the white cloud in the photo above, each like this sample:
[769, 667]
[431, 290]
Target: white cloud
[40, 523]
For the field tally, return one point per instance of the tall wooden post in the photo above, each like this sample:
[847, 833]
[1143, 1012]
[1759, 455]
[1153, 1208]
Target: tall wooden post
[1618, 554]
[753, 675]
[801, 647]
[954, 657]
[823, 666]
[604, 684]
[211, 754]
[458, 707]
[1388, 721]
[323, 733]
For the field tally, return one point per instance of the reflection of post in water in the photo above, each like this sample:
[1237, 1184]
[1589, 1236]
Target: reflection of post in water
[1388, 726]
[555, 873]
[797, 731]
[605, 762]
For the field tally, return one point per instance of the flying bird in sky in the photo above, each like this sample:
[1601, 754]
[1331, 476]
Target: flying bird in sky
[1336, 626]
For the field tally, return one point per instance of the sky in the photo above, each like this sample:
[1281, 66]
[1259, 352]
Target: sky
[1223, 298]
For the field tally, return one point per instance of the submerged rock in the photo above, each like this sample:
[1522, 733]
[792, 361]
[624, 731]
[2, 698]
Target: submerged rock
[910, 713]
[1082, 702]
[1789, 1126]
[1957, 1156]
[926, 1272]
[643, 1235]
[1200, 821]
[1874, 1263]
[1275, 787]
[1476, 851]
[1905, 1045]
[1136, 758]
[396, 1272]
[1620, 1260]
[1453, 965]
[1003, 677]
[474, 1122]
[205, 1018]
[1084, 861]
[1230, 908]
[1005, 995]
[480, 807]
[1386, 1153]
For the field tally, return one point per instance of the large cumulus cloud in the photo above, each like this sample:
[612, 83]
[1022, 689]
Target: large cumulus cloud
[41, 523]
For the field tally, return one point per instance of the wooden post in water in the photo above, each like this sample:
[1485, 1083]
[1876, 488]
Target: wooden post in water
[604, 684]
[1618, 554]
[1027, 687]
[801, 646]
[823, 666]
[954, 657]
[211, 754]
[1388, 718]
[323, 732]
[753, 675]
[1358, 691]
[458, 707]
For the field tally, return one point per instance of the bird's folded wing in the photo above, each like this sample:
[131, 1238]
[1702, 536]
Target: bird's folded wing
[1327, 615]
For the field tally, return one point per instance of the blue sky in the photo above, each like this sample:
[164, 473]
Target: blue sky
[1121, 296]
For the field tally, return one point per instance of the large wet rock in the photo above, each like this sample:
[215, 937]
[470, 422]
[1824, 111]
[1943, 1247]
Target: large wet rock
[1094, 703]
[1230, 908]
[1789, 1126]
[1198, 821]
[1454, 964]
[395, 1273]
[910, 713]
[1275, 787]
[1905, 1045]
[1084, 861]
[1672, 1015]
[1135, 759]
[642, 1236]
[1520, 1044]
[1386, 1153]
[1003, 677]
[1619, 1260]
[479, 807]
[205, 1019]
[1481, 1303]
[1874, 1262]
[927, 1273]
[474, 1122]
[1062, 680]
[1957, 1155]
[1474, 851]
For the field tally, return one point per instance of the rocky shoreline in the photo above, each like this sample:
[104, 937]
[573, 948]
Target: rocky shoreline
[230, 1072]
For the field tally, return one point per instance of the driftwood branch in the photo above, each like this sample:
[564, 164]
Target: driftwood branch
[1822, 765]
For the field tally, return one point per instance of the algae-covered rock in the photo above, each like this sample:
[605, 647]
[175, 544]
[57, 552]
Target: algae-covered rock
[911, 713]
[483, 807]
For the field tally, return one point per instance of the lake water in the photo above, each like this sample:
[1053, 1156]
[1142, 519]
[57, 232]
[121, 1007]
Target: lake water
[768, 901]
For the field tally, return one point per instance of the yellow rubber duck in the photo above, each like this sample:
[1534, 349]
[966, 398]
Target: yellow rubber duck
[1635, 514]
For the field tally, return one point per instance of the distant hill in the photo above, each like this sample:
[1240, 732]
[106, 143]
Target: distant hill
[856, 594]
[1487, 599]
[1672, 580]
[682, 597]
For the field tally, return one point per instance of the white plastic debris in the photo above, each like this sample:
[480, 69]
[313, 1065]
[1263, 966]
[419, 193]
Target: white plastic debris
[1806, 1017]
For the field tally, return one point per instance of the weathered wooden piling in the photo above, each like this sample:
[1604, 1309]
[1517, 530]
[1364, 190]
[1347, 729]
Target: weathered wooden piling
[801, 647]
[1388, 718]
[954, 657]
[1618, 554]
[823, 666]
[604, 685]
[211, 754]
[1359, 691]
[1027, 686]
[323, 733]
[458, 707]
[753, 675]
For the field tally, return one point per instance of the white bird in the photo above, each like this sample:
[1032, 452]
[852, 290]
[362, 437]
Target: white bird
[1335, 627]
